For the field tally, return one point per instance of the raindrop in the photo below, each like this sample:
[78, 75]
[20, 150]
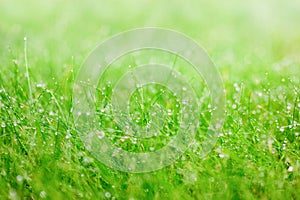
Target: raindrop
[3, 125]
[19, 178]
[152, 148]
[13, 195]
[88, 160]
[68, 136]
[259, 94]
[43, 194]
[138, 85]
[40, 85]
[221, 155]
[281, 129]
[290, 169]
[100, 134]
[107, 195]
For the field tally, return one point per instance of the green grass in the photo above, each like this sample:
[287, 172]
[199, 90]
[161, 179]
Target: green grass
[256, 48]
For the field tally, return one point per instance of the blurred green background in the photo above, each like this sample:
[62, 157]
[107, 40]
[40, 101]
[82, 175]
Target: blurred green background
[231, 30]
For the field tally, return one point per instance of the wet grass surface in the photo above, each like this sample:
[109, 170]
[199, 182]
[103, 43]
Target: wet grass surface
[256, 48]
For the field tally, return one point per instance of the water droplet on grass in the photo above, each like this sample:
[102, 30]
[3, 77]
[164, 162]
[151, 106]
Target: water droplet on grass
[3, 125]
[19, 178]
[281, 129]
[100, 134]
[151, 148]
[259, 94]
[41, 85]
[290, 169]
[107, 195]
[68, 136]
[43, 194]
[13, 195]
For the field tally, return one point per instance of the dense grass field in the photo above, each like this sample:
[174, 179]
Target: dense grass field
[256, 48]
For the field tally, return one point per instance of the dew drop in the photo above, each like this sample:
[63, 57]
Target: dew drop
[259, 94]
[68, 136]
[100, 134]
[290, 169]
[40, 85]
[221, 155]
[19, 178]
[151, 148]
[107, 195]
[43, 194]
